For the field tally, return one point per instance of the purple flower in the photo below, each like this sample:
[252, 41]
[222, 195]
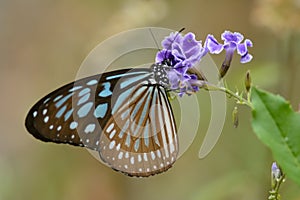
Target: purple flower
[232, 42]
[181, 53]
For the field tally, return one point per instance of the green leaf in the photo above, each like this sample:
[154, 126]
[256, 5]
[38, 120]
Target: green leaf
[278, 126]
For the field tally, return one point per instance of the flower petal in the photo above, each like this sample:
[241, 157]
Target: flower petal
[213, 45]
[189, 41]
[246, 58]
[164, 55]
[172, 38]
[173, 79]
[248, 43]
[178, 51]
[228, 36]
[181, 69]
[242, 49]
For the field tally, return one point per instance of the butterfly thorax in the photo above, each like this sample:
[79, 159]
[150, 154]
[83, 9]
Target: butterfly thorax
[160, 74]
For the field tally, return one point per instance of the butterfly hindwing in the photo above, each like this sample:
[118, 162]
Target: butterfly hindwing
[140, 139]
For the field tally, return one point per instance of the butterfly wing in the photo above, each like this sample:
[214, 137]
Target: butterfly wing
[140, 138]
[124, 115]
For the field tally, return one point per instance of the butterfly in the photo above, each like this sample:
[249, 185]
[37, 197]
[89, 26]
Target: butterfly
[125, 115]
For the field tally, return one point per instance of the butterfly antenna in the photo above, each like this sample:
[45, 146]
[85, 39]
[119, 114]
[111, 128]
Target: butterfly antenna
[154, 39]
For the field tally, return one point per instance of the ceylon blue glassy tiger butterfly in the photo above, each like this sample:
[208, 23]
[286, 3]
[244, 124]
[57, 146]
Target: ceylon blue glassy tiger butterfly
[125, 115]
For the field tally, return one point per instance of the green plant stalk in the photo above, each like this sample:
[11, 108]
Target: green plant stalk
[240, 99]
[274, 193]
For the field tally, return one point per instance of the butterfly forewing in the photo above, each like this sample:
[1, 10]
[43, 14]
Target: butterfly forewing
[76, 112]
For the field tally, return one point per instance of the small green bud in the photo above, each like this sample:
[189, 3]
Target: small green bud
[235, 117]
[248, 81]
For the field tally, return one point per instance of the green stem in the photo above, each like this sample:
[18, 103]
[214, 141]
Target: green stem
[240, 99]
[274, 193]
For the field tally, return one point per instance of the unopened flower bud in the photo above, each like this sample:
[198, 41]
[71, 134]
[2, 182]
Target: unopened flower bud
[226, 63]
[276, 171]
[235, 117]
[248, 81]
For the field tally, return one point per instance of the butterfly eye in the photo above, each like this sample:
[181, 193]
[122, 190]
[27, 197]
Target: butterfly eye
[124, 115]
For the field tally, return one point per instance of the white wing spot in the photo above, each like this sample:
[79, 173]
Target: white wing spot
[34, 113]
[126, 155]
[46, 119]
[126, 166]
[87, 140]
[172, 148]
[51, 127]
[58, 128]
[132, 160]
[110, 127]
[57, 98]
[47, 100]
[145, 157]
[45, 111]
[139, 158]
[112, 144]
[158, 153]
[112, 134]
[120, 156]
[118, 147]
[152, 155]
[73, 136]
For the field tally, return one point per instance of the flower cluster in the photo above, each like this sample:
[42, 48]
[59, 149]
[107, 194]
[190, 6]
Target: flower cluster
[182, 53]
[232, 42]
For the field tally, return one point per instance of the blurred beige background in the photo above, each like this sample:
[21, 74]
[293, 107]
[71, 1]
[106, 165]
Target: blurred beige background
[42, 46]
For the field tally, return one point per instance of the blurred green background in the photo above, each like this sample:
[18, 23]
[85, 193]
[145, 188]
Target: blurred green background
[42, 46]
